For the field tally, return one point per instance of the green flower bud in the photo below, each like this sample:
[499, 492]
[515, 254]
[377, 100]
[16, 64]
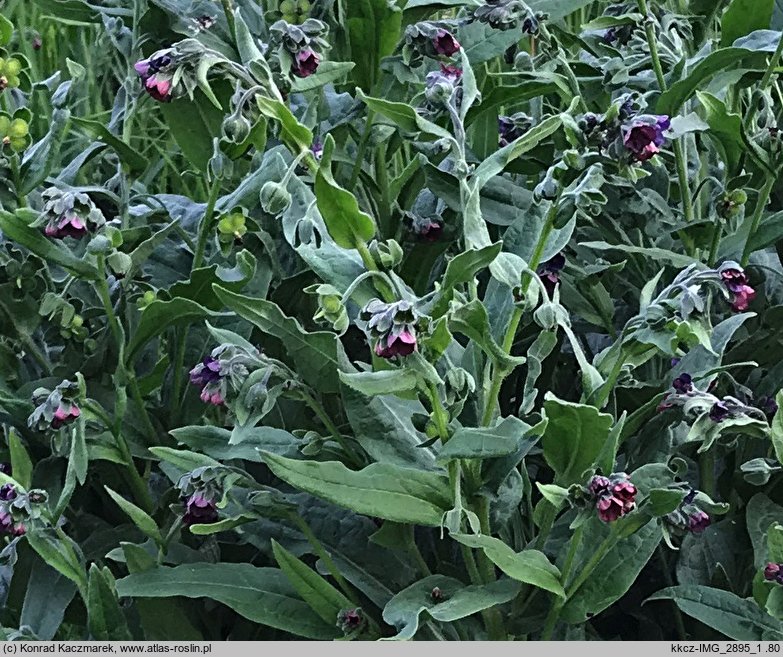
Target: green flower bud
[523, 61]
[12, 67]
[18, 129]
[147, 298]
[275, 198]
[739, 197]
[99, 245]
[120, 263]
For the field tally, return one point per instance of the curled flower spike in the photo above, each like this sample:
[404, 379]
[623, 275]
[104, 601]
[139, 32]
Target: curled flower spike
[156, 74]
[643, 136]
[55, 409]
[736, 282]
[445, 44]
[226, 368]
[69, 214]
[393, 326]
[614, 496]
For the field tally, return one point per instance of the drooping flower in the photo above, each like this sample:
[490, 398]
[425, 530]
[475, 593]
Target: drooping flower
[643, 136]
[445, 44]
[683, 384]
[549, 272]
[393, 325]
[773, 572]
[614, 496]
[513, 127]
[5, 468]
[69, 214]
[305, 63]
[428, 228]
[156, 73]
[736, 282]
[698, 521]
[54, 409]
[719, 411]
[350, 620]
[199, 510]
[224, 370]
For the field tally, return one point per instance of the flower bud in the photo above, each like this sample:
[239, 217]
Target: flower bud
[275, 199]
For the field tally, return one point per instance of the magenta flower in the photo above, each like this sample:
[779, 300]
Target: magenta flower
[69, 224]
[614, 496]
[199, 510]
[159, 87]
[698, 521]
[736, 282]
[445, 43]
[305, 63]
[155, 76]
[773, 572]
[453, 73]
[65, 414]
[401, 344]
[643, 137]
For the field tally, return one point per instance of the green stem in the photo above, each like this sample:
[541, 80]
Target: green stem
[765, 82]
[557, 605]
[229, 12]
[363, 142]
[498, 375]
[707, 472]
[717, 234]
[206, 224]
[670, 582]
[679, 154]
[413, 549]
[139, 401]
[758, 213]
[319, 410]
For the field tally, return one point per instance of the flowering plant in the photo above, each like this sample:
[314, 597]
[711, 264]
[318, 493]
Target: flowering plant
[408, 319]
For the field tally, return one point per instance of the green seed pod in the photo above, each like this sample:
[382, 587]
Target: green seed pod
[275, 198]
[18, 129]
[12, 67]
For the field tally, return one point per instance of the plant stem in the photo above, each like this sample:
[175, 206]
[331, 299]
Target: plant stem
[765, 82]
[557, 605]
[319, 410]
[365, 139]
[229, 12]
[206, 224]
[758, 213]
[717, 233]
[707, 472]
[499, 375]
[679, 154]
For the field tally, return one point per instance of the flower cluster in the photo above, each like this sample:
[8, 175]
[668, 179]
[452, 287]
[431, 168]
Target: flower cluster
[643, 136]
[614, 496]
[14, 132]
[224, 371]
[513, 127]
[507, 15]
[172, 72]
[8, 525]
[157, 72]
[10, 69]
[69, 214]
[736, 282]
[200, 491]
[393, 325]
[300, 45]
[773, 572]
[688, 517]
[441, 88]
[427, 39]
[18, 510]
[54, 409]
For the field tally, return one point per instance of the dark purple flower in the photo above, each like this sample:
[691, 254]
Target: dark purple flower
[7, 492]
[772, 571]
[736, 282]
[719, 412]
[513, 127]
[451, 72]
[549, 272]
[769, 406]
[199, 510]
[155, 76]
[400, 344]
[65, 414]
[644, 138]
[683, 384]
[305, 63]
[69, 224]
[350, 620]
[317, 149]
[207, 371]
[698, 521]
[5, 468]
[614, 496]
[610, 36]
[427, 228]
[445, 43]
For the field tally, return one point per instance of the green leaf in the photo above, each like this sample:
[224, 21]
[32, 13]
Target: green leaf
[372, 29]
[214, 442]
[105, 620]
[183, 459]
[193, 124]
[743, 17]
[59, 552]
[732, 616]
[139, 517]
[323, 598]
[529, 566]
[16, 230]
[455, 601]
[21, 465]
[262, 595]
[557, 9]
[48, 594]
[6, 31]
[327, 73]
[385, 382]
[654, 253]
[485, 443]
[380, 490]
[315, 354]
[293, 134]
[775, 543]
[471, 320]
[461, 269]
[776, 429]
[346, 223]
[127, 154]
[159, 316]
[573, 439]
[760, 515]
[403, 115]
[725, 127]
[616, 572]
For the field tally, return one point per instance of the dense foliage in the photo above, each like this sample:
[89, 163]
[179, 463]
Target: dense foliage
[432, 319]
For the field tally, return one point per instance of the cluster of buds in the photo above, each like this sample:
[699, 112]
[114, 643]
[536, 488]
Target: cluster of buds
[172, 72]
[613, 496]
[10, 70]
[295, 11]
[69, 214]
[688, 517]
[231, 228]
[200, 491]
[427, 39]
[55, 409]
[730, 205]
[225, 370]
[301, 46]
[331, 308]
[773, 572]
[426, 228]
[513, 127]
[351, 621]
[549, 272]
[14, 132]
[18, 509]
[442, 88]
[736, 281]
[509, 14]
[393, 326]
